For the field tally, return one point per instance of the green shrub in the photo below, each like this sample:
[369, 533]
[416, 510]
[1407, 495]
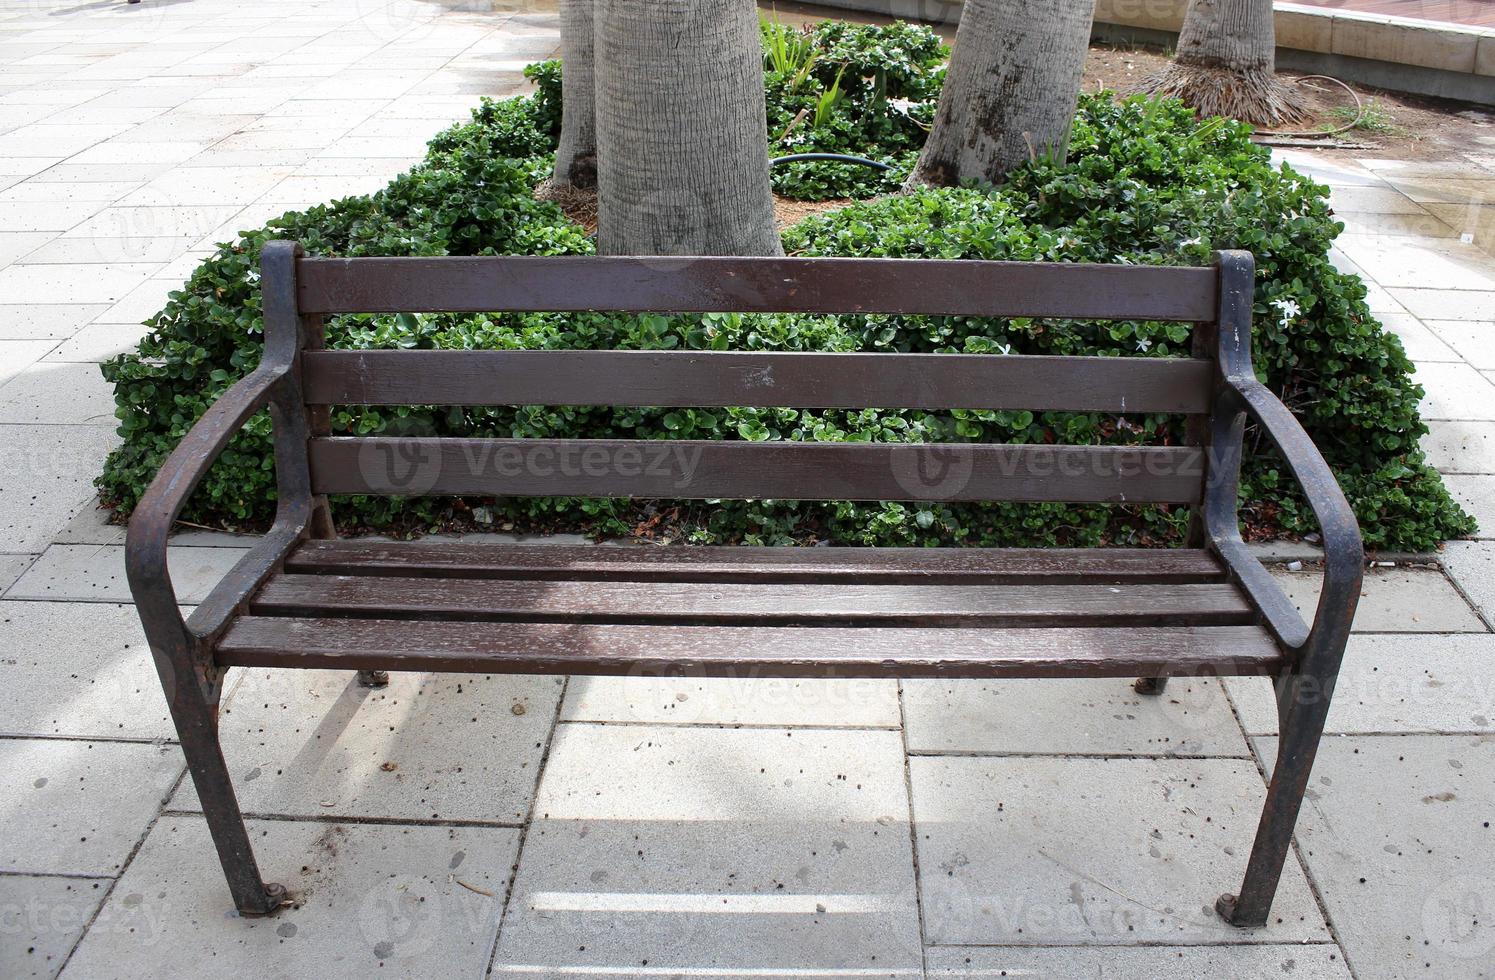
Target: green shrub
[1145, 183]
[849, 88]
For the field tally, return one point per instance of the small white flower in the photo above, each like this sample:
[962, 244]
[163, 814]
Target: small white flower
[1144, 344]
[1289, 309]
[1192, 241]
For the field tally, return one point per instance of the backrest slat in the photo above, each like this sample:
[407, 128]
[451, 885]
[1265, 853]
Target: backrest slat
[757, 285]
[679, 379]
[756, 470]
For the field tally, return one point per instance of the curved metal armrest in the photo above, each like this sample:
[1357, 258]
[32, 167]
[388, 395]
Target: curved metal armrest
[184, 469]
[1344, 552]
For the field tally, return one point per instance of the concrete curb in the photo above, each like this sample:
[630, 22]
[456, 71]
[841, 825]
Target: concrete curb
[1449, 61]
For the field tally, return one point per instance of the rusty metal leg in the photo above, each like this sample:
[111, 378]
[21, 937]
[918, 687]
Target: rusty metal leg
[197, 727]
[1150, 685]
[373, 678]
[1303, 707]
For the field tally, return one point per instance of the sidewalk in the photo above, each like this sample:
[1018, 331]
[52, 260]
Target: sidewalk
[594, 827]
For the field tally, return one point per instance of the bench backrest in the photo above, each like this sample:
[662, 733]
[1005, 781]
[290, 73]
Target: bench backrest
[408, 466]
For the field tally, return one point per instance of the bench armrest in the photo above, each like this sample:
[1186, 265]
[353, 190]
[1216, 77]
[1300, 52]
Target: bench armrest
[1344, 552]
[156, 513]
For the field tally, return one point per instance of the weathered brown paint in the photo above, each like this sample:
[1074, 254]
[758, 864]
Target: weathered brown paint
[303, 599]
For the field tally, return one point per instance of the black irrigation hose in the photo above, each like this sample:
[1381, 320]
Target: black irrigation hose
[832, 157]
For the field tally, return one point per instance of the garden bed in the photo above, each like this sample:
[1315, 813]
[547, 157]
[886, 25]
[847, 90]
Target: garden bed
[1146, 183]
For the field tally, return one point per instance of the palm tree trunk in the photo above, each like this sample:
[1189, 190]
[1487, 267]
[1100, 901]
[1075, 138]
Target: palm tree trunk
[1010, 91]
[682, 147]
[1227, 64]
[576, 156]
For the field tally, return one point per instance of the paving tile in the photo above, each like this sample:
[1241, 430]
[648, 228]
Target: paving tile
[1448, 304]
[44, 916]
[69, 284]
[207, 185]
[1421, 343]
[11, 567]
[1377, 299]
[1477, 495]
[143, 302]
[43, 140]
[26, 166]
[376, 900]
[1103, 717]
[1472, 565]
[1373, 200]
[79, 669]
[1455, 391]
[1473, 340]
[1397, 600]
[14, 244]
[752, 852]
[87, 803]
[175, 125]
[167, 221]
[1045, 851]
[58, 394]
[17, 356]
[48, 475]
[110, 250]
[96, 573]
[1461, 446]
[1395, 684]
[43, 217]
[97, 342]
[159, 155]
[219, 156]
[315, 744]
[1301, 962]
[1430, 189]
[139, 170]
[1404, 225]
[1474, 223]
[42, 192]
[1397, 834]
[91, 525]
[1404, 170]
[856, 703]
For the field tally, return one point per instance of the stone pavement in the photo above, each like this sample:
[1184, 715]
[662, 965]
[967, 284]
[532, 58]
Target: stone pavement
[543, 827]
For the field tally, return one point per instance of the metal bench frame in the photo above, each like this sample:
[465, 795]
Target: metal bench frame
[297, 380]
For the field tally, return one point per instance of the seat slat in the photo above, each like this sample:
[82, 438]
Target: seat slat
[547, 562]
[757, 470]
[697, 379]
[544, 648]
[639, 602]
[757, 285]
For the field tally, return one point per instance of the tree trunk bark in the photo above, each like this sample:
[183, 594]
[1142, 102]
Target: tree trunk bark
[681, 130]
[1010, 91]
[1226, 64]
[576, 156]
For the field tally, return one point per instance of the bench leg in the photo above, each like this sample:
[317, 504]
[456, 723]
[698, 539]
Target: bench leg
[197, 727]
[1303, 707]
[1150, 685]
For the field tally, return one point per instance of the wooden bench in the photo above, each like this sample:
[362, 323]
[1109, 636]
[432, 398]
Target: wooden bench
[304, 598]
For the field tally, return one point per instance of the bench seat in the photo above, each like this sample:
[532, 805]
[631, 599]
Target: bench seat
[487, 607]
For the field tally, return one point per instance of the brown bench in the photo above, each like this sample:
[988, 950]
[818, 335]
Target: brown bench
[304, 598]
